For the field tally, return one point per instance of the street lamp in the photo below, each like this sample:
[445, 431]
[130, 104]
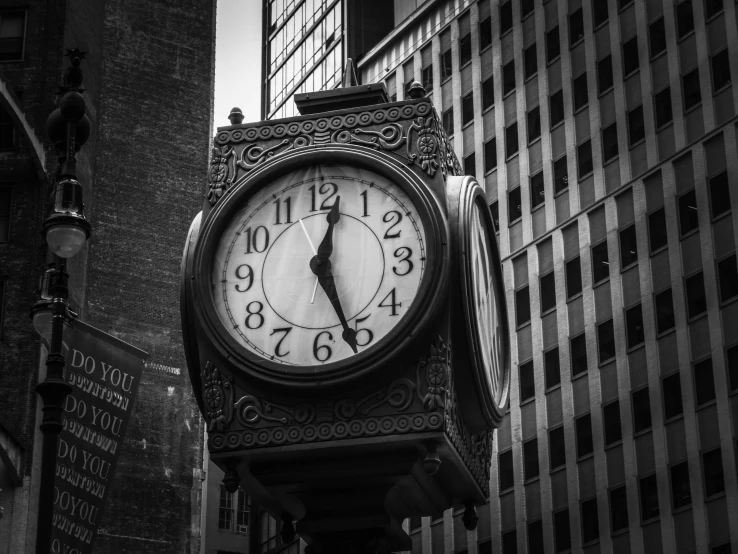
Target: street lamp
[66, 230]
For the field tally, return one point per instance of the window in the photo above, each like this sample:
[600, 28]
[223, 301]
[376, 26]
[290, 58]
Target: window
[553, 44]
[511, 140]
[649, 498]
[448, 121]
[672, 389]
[535, 536]
[446, 69]
[641, 410]
[526, 8]
[630, 56]
[712, 8]
[695, 289]
[610, 142]
[688, 219]
[530, 61]
[590, 521]
[662, 107]
[685, 19]
[225, 511]
[584, 158]
[720, 70]
[534, 124]
[664, 311]
[704, 382]
[680, 493]
[712, 464]
[613, 428]
[12, 28]
[427, 76]
[599, 12]
[719, 194]
[691, 89]
[470, 164]
[634, 326]
[628, 246]
[556, 103]
[657, 229]
[495, 209]
[731, 361]
[467, 109]
[485, 33]
[728, 278]
[551, 360]
[581, 97]
[600, 262]
[562, 533]
[584, 435]
[485, 547]
[604, 73]
[530, 459]
[522, 306]
[618, 509]
[510, 542]
[606, 340]
[624, 3]
[548, 292]
[507, 476]
[513, 204]
[490, 154]
[506, 17]
[527, 381]
[561, 175]
[7, 132]
[576, 27]
[508, 77]
[414, 523]
[537, 194]
[6, 199]
[636, 127]
[488, 93]
[465, 49]
[578, 348]
[556, 447]
[657, 37]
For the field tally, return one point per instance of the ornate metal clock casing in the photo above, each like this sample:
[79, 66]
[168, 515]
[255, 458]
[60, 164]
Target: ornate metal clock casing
[320, 325]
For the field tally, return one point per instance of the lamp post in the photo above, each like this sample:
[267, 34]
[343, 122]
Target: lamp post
[65, 230]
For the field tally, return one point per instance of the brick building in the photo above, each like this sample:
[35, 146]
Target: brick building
[149, 81]
[605, 134]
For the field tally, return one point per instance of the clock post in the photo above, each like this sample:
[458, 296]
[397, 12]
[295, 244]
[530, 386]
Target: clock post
[344, 319]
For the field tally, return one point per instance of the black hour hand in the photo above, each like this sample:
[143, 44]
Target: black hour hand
[326, 246]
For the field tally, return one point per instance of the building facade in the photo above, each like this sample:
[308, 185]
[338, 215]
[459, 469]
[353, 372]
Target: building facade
[143, 170]
[605, 135]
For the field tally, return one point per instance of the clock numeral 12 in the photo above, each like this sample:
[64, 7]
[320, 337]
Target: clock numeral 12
[253, 239]
[393, 304]
[326, 188]
[288, 209]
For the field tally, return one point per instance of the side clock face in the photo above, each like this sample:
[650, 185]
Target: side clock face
[319, 265]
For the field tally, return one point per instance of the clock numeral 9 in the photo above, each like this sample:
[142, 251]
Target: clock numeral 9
[257, 240]
[322, 352]
[393, 303]
[394, 217]
[370, 335]
[249, 275]
[288, 209]
[256, 312]
[404, 253]
[326, 188]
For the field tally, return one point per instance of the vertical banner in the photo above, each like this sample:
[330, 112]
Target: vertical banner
[104, 373]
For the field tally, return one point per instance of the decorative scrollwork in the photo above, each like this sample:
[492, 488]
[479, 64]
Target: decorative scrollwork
[426, 145]
[436, 370]
[398, 394]
[219, 172]
[217, 396]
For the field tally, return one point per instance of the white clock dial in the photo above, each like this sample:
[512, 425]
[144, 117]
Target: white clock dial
[319, 265]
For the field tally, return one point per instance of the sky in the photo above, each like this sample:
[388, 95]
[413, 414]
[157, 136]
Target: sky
[237, 60]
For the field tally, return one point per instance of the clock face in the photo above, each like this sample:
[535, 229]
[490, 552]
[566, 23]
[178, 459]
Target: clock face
[319, 265]
[489, 329]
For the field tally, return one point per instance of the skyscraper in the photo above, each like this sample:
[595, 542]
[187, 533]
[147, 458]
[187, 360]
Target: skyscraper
[605, 135]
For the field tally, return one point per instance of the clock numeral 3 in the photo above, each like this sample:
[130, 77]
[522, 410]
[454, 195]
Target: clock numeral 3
[322, 352]
[394, 217]
[254, 313]
[370, 335]
[258, 239]
[249, 275]
[393, 303]
[286, 331]
[326, 188]
[404, 253]
[287, 207]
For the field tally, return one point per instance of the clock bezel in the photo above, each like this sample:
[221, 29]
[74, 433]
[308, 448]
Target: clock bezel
[423, 311]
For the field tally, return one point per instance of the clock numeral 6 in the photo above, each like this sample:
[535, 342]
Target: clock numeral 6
[370, 335]
[326, 188]
[393, 303]
[394, 217]
[249, 275]
[322, 352]
[258, 240]
[254, 312]
[286, 331]
[404, 253]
